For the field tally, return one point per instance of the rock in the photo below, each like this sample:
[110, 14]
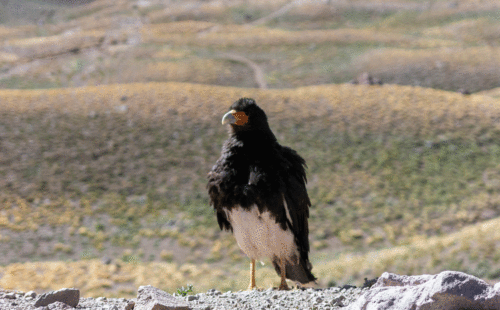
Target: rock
[57, 305]
[366, 79]
[369, 283]
[152, 298]
[10, 296]
[130, 305]
[69, 296]
[448, 290]
[464, 91]
[121, 108]
[106, 260]
[31, 294]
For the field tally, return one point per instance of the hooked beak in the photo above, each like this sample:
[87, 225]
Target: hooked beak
[229, 118]
[235, 118]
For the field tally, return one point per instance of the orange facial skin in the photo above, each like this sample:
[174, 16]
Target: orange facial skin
[241, 118]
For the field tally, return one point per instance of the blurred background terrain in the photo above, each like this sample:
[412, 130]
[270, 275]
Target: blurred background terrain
[110, 119]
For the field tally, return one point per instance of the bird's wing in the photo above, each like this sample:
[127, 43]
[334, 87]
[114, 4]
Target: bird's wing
[296, 200]
[217, 196]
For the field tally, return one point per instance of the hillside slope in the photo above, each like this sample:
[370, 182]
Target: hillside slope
[110, 119]
[119, 171]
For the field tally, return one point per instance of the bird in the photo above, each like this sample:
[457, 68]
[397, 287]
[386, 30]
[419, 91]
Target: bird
[257, 189]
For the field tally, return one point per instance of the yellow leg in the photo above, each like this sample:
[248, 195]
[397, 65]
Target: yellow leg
[251, 286]
[283, 285]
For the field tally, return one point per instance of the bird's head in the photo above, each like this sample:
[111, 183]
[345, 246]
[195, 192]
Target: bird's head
[245, 115]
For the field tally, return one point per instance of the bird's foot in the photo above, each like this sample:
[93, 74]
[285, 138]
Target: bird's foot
[283, 287]
[251, 288]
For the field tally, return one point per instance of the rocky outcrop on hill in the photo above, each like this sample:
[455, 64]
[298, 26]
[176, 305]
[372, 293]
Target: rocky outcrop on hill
[366, 78]
[448, 290]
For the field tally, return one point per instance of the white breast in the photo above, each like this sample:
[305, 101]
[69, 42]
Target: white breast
[258, 235]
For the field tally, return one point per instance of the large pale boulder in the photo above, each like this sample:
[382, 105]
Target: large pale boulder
[448, 290]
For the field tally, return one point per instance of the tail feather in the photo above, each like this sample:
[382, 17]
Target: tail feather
[298, 270]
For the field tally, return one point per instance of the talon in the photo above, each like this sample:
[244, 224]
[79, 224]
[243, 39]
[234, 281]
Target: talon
[283, 285]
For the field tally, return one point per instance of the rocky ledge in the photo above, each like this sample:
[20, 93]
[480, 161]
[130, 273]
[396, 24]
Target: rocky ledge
[448, 290]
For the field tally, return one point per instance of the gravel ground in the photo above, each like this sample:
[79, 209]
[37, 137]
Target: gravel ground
[330, 298]
[325, 299]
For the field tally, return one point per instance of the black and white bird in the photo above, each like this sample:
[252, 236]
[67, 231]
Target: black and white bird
[258, 191]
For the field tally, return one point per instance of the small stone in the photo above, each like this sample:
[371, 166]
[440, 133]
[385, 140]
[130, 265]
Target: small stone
[150, 297]
[130, 305]
[338, 302]
[121, 108]
[101, 299]
[192, 297]
[58, 306]
[106, 260]
[31, 294]
[10, 296]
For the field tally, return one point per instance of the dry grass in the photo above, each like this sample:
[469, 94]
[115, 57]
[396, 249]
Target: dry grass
[468, 30]
[354, 138]
[473, 68]
[231, 35]
[389, 108]
[103, 43]
[473, 245]
[495, 93]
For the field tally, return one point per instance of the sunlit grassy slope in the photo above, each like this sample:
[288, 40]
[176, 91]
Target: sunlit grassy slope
[107, 42]
[119, 171]
[472, 248]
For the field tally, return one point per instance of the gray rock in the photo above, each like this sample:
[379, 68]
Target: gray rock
[391, 279]
[58, 306]
[10, 296]
[31, 294]
[192, 297]
[152, 298]
[448, 290]
[130, 305]
[106, 260]
[69, 296]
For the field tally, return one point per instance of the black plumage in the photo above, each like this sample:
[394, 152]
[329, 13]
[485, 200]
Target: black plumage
[255, 171]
